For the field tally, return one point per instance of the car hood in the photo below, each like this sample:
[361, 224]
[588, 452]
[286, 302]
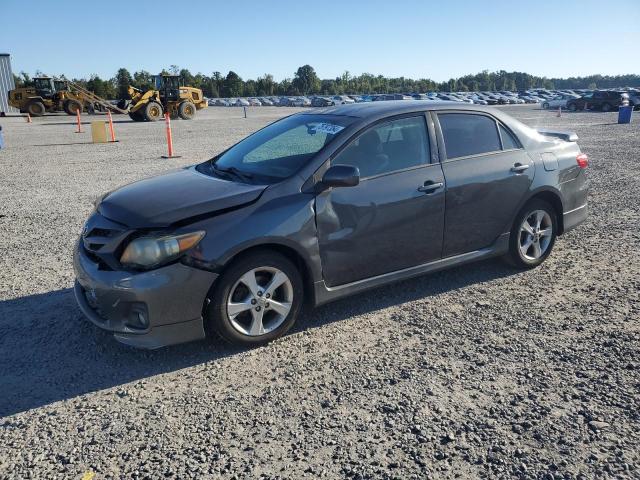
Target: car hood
[173, 197]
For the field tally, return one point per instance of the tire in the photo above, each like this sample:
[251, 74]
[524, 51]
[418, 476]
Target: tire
[136, 116]
[186, 110]
[545, 105]
[256, 321]
[36, 108]
[572, 107]
[540, 216]
[71, 106]
[152, 111]
[606, 107]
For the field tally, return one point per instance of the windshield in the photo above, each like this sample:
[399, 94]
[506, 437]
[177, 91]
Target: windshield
[279, 150]
[42, 83]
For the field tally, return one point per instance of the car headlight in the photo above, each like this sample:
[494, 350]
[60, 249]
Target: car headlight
[150, 251]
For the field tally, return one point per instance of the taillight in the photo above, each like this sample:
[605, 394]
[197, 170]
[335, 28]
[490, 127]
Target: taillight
[582, 160]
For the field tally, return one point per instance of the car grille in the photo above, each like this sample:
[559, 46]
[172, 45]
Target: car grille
[102, 239]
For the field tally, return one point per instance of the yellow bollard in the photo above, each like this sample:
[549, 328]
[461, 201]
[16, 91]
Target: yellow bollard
[99, 132]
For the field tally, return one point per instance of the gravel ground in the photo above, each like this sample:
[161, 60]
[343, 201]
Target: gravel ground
[479, 371]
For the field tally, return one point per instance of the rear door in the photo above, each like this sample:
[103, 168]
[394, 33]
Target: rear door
[487, 173]
[394, 218]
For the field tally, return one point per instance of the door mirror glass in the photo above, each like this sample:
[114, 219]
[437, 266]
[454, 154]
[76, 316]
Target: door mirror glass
[341, 176]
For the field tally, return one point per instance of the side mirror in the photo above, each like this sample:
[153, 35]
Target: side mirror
[341, 176]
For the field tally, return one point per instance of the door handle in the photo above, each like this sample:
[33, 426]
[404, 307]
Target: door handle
[519, 168]
[430, 186]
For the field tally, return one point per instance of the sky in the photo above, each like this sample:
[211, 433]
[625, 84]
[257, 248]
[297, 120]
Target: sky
[411, 38]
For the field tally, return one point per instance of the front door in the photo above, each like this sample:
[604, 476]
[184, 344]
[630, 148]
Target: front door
[394, 218]
[487, 173]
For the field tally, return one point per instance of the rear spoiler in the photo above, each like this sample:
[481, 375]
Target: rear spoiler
[566, 136]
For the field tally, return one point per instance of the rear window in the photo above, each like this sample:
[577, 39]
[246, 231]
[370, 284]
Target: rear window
[508, 140]
[468, 134]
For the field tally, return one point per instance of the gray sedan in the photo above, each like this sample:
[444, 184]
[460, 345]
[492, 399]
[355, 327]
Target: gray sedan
[321, 205]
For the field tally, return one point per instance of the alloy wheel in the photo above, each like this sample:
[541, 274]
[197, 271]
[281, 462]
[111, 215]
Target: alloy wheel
[536, 232]
[260, 301]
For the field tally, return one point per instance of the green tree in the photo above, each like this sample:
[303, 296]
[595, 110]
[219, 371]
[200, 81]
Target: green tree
[266, 85]
[97, 86]
[328, 87]
[218, 81]
[186, 78]
[306, 81]
[143, 80]
[123, 80]
[233, 85]
[250, 88]
[24, 80]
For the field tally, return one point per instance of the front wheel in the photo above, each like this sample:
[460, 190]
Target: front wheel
[152, 112]
[533, 235]
[71, 107]
[256, 300]
[545, 105]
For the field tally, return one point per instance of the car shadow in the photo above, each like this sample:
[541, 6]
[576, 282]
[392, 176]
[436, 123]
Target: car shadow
[50, 353]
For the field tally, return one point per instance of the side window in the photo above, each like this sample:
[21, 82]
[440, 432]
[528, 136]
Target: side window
[508, 140]
[388, 147]
[468, 134]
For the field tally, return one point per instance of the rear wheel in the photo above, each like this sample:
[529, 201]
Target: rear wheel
[533, 235]
[36, 108]
[186, 110]
[152, 111]
[256, 300]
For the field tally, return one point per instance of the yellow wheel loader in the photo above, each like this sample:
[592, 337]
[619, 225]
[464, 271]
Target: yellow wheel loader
[39, 99]
[168, 96]
[49, 95]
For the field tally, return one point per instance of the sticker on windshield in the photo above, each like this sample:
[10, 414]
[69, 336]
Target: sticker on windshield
[328, 128]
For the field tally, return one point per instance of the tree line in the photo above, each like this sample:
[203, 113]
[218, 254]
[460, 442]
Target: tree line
[305, 81]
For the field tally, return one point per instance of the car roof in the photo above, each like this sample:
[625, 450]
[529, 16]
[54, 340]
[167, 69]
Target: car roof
[394, 107]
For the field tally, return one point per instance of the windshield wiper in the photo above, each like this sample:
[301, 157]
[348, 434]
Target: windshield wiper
[233, 171]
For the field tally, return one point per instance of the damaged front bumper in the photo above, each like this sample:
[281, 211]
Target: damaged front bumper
[147, 309]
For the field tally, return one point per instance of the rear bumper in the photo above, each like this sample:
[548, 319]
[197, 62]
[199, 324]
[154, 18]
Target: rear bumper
[169, 301]
[573, 218]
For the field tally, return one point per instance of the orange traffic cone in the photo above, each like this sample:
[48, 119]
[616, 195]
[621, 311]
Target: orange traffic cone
[79, 129]
[167, 122]
[111, 131]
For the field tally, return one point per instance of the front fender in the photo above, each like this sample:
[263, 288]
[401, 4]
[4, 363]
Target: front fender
[287, 222]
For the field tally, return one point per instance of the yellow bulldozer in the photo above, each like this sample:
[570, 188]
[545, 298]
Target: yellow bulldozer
[167, 96]
[46, 95]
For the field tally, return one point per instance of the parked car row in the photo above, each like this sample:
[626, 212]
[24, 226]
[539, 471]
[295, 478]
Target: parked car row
[576, 99]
